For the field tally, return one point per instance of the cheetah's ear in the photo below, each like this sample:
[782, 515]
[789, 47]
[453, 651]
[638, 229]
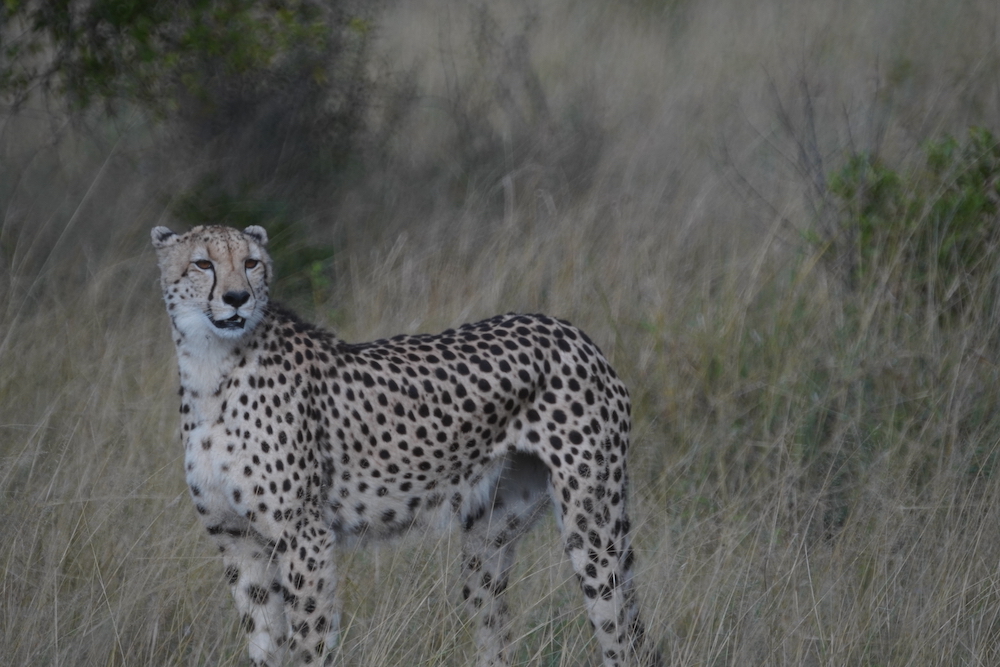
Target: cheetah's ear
[162, 237]
[257, 233]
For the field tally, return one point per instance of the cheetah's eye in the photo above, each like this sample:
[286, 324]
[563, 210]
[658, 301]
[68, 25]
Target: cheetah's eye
[203, 264]
[251, 263]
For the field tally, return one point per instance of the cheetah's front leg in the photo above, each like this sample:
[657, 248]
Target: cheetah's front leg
[252, 574]
[309, 582]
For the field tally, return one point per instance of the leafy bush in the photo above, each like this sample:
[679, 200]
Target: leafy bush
[151, 53]
[258, 95]
[930, 234]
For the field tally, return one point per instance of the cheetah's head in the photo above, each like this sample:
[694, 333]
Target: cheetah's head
[214, 279]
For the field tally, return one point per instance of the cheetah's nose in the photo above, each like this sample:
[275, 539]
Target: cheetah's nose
[235, 299]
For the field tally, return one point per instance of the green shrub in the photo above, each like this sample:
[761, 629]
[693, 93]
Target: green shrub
[930, 234]
[262, 96]
[150, 53]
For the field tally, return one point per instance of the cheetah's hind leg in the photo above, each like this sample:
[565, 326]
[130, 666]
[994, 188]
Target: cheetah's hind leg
[489, 542]
[596, 537]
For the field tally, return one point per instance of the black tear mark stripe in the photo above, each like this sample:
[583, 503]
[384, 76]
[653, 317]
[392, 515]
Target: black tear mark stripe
[211, 292]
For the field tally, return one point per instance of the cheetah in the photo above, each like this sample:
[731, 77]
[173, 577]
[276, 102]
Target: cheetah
[296, 442]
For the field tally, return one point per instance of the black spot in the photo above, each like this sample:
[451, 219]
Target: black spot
[257, 594]
[247, 623]
[574, 542]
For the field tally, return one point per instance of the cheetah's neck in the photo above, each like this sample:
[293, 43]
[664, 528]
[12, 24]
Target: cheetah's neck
[205, 363]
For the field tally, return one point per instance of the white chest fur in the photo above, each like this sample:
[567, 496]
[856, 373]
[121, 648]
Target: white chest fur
[211, 451]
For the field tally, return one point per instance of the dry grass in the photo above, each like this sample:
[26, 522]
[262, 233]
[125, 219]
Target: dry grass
[812, 468]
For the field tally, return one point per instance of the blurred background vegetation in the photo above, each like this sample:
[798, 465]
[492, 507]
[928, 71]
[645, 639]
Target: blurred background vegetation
[779, 220]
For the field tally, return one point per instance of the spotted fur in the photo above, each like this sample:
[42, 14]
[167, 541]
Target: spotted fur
[296, 441]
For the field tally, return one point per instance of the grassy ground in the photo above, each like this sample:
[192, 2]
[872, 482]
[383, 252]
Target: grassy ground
[812, 465]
